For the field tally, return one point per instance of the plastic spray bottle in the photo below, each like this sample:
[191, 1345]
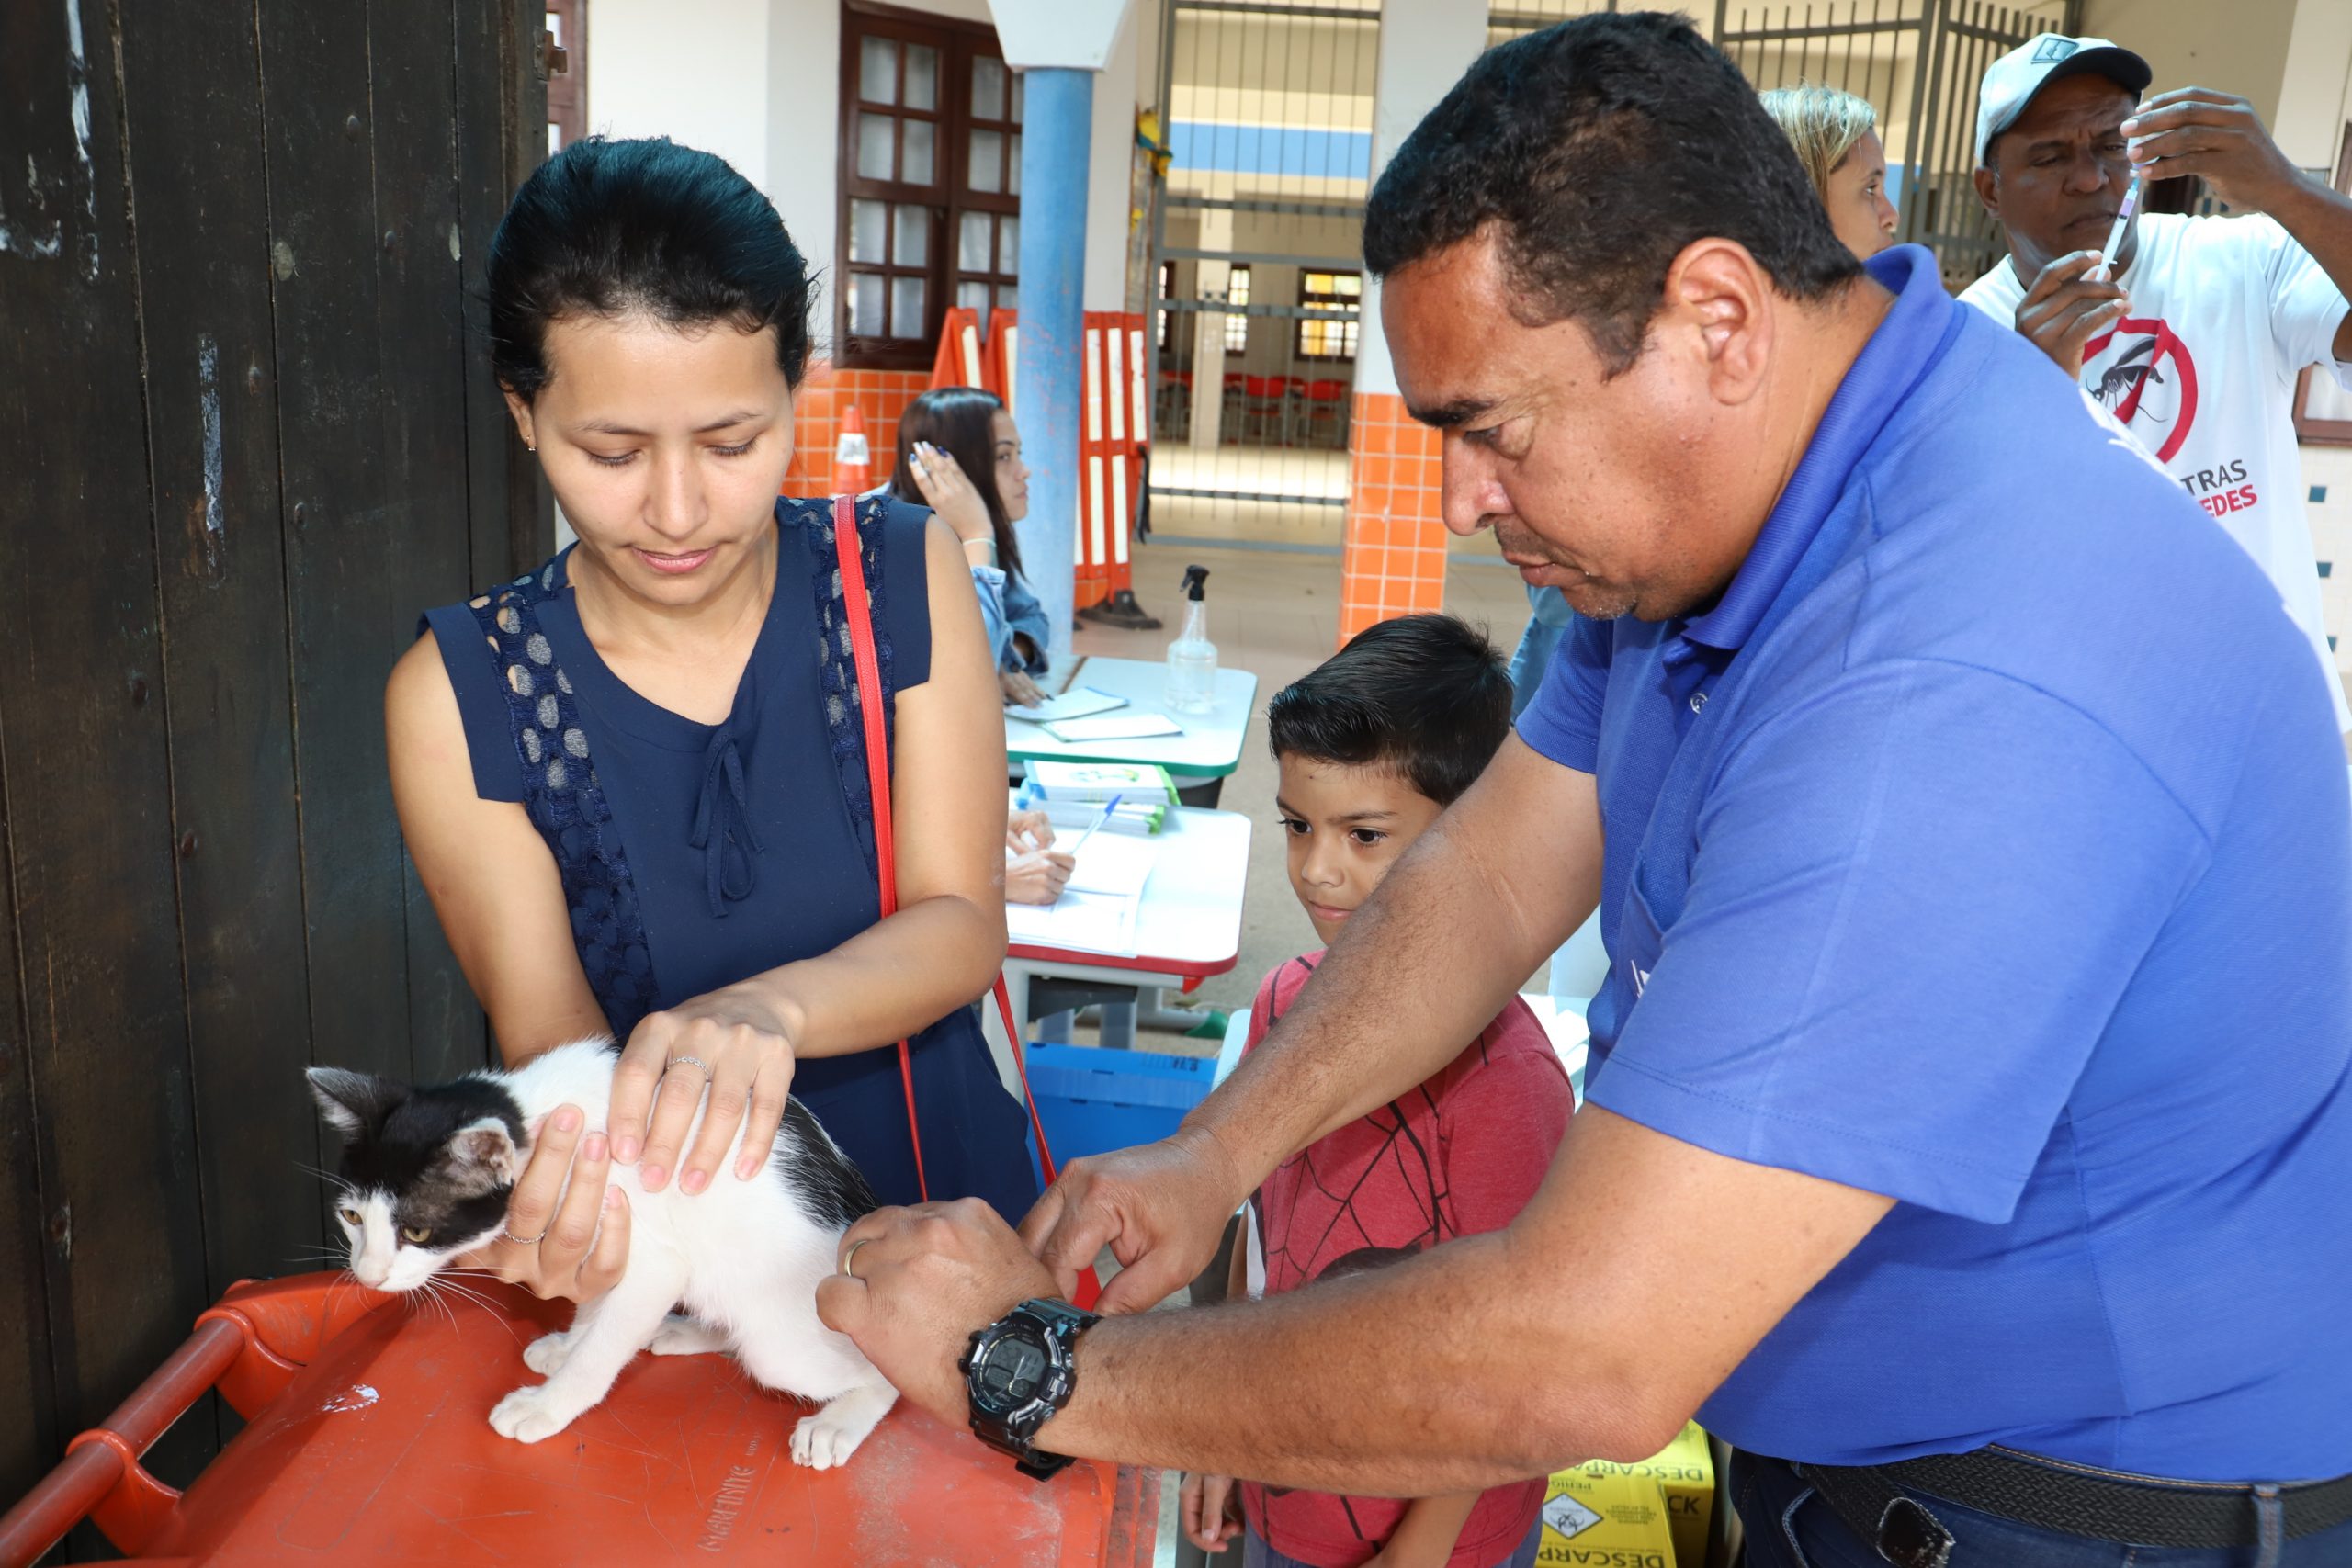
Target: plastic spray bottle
[1191, 657]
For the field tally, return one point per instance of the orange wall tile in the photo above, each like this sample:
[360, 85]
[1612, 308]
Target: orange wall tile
[881, 397]
[1393, 555]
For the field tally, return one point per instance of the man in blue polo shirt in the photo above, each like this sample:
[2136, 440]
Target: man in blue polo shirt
[1969, 1127]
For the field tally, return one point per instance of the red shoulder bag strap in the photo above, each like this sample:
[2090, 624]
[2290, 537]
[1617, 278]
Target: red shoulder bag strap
[878, 774]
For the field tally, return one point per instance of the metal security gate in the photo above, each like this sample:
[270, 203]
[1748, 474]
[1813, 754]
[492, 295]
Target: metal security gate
[1256, 269]
[1919, 64]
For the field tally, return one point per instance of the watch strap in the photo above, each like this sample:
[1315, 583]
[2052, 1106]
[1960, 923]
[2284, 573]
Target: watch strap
[1065, 1322]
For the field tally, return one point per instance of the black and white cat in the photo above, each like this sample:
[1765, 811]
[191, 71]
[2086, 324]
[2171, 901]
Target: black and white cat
[427, 1173]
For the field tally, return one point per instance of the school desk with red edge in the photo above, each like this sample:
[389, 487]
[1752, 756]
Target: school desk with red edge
[367, 1440]
[1188, 928]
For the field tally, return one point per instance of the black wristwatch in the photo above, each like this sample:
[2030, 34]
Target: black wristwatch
[1017, 1373]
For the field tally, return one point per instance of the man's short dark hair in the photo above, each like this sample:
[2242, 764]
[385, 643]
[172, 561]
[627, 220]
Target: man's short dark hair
[1423, 694]
[1601, 148]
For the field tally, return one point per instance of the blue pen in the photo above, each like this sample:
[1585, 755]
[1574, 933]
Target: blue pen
[1108, 806]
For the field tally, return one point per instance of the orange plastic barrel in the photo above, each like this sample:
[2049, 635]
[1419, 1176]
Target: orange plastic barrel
[368, 1441]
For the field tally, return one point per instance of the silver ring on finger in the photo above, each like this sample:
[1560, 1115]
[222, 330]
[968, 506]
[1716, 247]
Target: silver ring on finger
[851, 1256]
[521, 1240]
[698, 1061]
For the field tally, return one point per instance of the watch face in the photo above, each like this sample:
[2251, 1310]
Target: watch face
[1008, 1374]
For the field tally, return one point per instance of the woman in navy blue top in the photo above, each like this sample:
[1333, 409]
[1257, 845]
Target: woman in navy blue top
[634, 781]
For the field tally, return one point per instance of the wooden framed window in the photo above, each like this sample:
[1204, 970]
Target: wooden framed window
[1328, 337]
[930, 179]
[1237, 292]
[2323, 408]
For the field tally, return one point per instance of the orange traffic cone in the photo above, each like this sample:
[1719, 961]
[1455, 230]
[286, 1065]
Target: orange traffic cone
[853, 461]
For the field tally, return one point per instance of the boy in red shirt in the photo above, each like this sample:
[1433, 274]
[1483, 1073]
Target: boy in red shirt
[1370, 746]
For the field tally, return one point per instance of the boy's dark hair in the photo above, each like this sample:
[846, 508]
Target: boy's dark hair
[1424, 694]
[1602, 147]
[606, 227]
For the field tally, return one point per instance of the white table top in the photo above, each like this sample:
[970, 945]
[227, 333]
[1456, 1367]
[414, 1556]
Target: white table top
[1210, 745]
[1190, 921]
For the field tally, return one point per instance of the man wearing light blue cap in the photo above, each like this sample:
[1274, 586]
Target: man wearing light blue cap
[2194, 336]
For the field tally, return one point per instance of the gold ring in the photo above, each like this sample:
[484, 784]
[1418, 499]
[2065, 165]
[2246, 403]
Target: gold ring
[849, 1257]
[698, 1061]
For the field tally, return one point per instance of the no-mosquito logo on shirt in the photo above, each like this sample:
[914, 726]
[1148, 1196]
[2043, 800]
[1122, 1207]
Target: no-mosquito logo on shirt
[2150, 384]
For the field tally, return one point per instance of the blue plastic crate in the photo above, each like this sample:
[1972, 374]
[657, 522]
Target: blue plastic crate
[1092, 1100]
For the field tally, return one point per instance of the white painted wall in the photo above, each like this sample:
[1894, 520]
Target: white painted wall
[803, 97]
[2312, 96]
[1109, 188]
[1425, 46]
[696, 71]
[2241, 48]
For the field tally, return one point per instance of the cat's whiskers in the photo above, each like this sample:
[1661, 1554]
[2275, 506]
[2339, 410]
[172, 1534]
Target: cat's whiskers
[442, 1281]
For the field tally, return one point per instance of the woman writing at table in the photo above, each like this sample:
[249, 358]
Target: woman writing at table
[959, 450]
[634, 781]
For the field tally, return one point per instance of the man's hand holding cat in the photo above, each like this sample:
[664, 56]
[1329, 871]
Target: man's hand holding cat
[734, 1042]
[567, 1229]
[925, 1278]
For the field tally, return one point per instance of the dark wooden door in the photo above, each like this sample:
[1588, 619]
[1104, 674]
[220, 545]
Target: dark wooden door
[247, 432]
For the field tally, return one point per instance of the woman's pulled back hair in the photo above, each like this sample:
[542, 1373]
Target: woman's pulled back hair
[1596, 151]
[958, 420]
[1425, 696]
[606, 228]
[1822, 123]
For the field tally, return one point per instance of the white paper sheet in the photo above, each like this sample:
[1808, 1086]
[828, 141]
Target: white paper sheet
[1077, 703]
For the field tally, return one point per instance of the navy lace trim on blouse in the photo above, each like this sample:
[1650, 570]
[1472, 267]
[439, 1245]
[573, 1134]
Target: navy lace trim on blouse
[566, 801]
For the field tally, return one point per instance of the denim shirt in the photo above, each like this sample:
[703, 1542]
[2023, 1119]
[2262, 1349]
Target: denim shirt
[1006, 607]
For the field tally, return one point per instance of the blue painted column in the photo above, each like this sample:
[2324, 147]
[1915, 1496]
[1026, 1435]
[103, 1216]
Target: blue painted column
[1049, 378]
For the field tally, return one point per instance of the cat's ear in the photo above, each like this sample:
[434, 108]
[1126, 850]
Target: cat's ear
[482, 1156]
[352, 1103]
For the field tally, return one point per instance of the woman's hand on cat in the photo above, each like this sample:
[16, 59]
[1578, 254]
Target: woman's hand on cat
[731, 1042]
[573, 1222]
[926, 1278]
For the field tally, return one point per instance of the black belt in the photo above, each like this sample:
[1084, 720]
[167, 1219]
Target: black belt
[2051, 1494]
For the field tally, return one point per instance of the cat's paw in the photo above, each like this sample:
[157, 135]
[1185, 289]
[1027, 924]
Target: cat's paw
[531, 1414]
[683, 1336]
[832, 1434]
[545, 1354]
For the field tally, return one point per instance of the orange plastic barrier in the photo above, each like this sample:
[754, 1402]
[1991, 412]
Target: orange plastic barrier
[368, 1440]
[961, 361]
[1111, 436]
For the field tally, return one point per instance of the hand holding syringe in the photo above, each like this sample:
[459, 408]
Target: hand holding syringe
[2106, 268]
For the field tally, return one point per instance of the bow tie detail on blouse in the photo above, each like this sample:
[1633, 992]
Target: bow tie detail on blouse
[723, 827]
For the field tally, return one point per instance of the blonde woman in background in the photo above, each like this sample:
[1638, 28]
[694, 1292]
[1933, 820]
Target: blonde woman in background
[1835, 136]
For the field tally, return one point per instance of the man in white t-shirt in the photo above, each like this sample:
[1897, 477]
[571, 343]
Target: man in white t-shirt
[2196, 341]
